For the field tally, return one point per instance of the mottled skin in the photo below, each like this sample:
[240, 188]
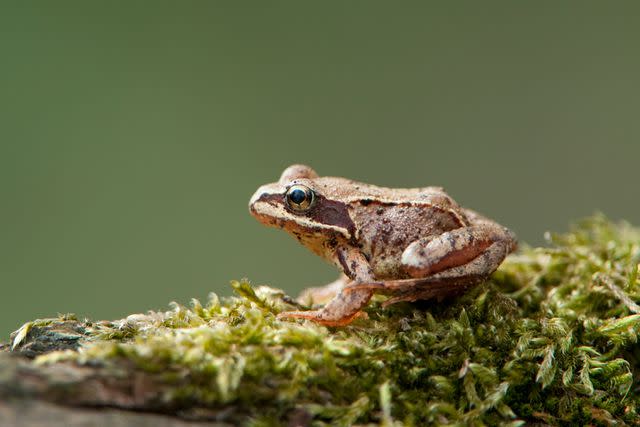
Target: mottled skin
[412, 244]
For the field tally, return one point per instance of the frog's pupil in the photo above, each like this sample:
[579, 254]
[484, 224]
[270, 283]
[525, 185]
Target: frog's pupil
[297, 196]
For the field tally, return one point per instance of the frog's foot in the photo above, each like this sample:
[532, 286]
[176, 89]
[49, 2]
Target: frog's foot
[340, 311]
[323, 294]
[318, 317]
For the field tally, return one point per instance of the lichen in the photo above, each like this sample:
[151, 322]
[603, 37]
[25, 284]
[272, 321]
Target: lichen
[552, 338]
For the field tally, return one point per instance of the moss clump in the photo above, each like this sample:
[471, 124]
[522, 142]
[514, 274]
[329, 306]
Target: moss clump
[551, 338]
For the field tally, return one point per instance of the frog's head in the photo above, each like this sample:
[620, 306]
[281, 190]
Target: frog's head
[299, 204]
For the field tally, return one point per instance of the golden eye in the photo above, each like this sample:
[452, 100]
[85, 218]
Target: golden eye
[300, 198]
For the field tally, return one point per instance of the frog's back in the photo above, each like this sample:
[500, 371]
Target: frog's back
[350, 191]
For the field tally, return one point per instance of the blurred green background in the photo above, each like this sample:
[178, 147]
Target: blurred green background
[132, 134]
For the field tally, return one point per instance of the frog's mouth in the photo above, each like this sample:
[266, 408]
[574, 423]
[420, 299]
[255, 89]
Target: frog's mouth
[267, 207]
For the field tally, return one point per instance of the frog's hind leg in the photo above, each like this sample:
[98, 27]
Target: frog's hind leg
[437, 286]
[468, 251]
[447, 264]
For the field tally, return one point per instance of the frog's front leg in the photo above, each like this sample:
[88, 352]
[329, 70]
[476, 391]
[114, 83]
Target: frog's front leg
[346, 305]
[447, 264]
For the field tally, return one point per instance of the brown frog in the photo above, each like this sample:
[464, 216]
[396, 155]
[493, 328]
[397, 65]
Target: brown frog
[414, 243]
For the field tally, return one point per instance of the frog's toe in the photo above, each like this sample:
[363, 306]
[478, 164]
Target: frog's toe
[288, 315]
[319, 316]
[368, 286]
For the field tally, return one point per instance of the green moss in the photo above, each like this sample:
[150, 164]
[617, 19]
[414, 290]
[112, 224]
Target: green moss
[551, 338]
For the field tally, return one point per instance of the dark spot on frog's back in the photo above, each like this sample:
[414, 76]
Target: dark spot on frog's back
[331, 212]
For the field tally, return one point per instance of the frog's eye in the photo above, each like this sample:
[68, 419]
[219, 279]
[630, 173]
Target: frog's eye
[300, 198]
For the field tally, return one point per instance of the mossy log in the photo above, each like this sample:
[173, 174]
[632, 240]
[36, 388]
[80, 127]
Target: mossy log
[550, 339]
[68, 393]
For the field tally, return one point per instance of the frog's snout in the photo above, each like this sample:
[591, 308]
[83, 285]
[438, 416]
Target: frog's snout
[255, 201]
[259, 197]
[264, 203]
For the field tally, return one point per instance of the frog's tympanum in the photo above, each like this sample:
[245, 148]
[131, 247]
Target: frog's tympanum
[411, 244]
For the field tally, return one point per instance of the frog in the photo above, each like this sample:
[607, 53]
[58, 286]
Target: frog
[406, 243]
